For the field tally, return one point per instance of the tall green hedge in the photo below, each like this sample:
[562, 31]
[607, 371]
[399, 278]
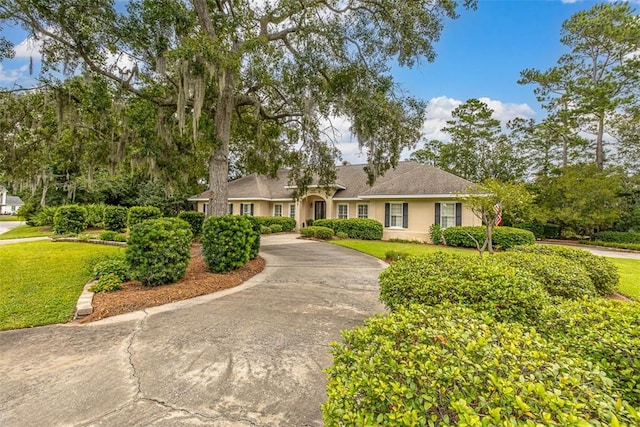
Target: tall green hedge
[448, 366]
[95, 215]
[502, 237]
[257, 229]
[195, 220]
[227, 242]
[137, 214]
[504, 292]
[617, 237]
[285, 222]
[70, 219]
[159, 250]
[356, 228]
[115, 218]
[603, 274]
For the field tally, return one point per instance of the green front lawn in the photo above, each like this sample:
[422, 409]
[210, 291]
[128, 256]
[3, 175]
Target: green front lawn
[41, 281]
[629, 269]
[22, 231]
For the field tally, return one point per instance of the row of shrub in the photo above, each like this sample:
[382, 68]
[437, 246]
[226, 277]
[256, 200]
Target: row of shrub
[354, 228]
[502, 237]
[273, 222]
[516, 338]
[540, 230]
[313, 231]
[617, 237]
[630, 246]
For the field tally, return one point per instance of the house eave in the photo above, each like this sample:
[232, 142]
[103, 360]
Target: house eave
[418, 196]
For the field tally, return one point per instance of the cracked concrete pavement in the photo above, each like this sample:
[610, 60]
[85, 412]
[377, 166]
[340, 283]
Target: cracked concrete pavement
[251, 356]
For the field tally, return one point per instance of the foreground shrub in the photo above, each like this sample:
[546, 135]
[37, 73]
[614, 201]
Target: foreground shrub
[356, 228]
[435, 234]
[498, 289]
[158, 250]
[324, 233]
[559, 276]
[95, 215]
[137, 214]
[603, 274]
[70, 219]
[285, 222]
[195, 220]
[227, 242]
[502, 237]
[451, 366]
[116, 266]
[617, 237]
[257, 228]
[604, 331]
[107, 283]
[115, 218]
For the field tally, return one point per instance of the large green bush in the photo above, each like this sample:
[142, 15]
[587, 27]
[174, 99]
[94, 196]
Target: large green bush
[95, 215]
[604, 331]
[70, 219]
[502, 237]
[496, 288]
[324, 233]
[43, 218]
[285, 222]
[617, 237]
[449, 366]
[137, 214]
[559, 276]
[356, 228]
[159, 250]
[257, 230]
[227, 242]
[115, 218]
[195, 220]
[602, 272]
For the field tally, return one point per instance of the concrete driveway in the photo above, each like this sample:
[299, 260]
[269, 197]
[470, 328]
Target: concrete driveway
[250, 357]
[8, 225]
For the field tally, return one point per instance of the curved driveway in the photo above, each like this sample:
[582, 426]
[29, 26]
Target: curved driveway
[250, 357]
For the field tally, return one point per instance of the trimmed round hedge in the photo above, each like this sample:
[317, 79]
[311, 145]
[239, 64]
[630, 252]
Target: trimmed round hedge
[137, 214]
[603, 331]
[502, 237]
[285, 222]
[356, 228]
[158, 250]
[324, 233]
[228, 242]
[496, 288]
[603, 274]
[195, 220]
[70, 219]
[559, 276]
[115, 218]
[450, 366]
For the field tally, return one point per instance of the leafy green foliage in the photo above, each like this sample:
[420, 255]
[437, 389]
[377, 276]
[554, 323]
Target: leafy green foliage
[617, 237]
[113, 236]
[287, 224]
[159, 250]
[116, 265]
[602, 272]
[502, 291]
[107, 283]
[393, 255]
[137, 214]
[95, 215]
[503, 237]
[605, 332]
[435, 234]
[276, 228]
[43, 217]
[115, 218]
[342, 235]
[451, 366]
[356, 228]
[70, 219]
[324, 233]
[195, 220]
[559, 276]
[536, 227]
[228, 242]
[265, 229]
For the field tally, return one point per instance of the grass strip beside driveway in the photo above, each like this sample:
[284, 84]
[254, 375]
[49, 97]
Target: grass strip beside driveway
[23, 231]
[629, 269]
[41, 281]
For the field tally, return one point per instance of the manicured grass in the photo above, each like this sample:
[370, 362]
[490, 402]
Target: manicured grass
[629, 269]
[23, 231]
[41, 281]
[9, 218]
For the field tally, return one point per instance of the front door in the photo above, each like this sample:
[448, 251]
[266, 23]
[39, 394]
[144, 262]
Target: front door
[319, 210]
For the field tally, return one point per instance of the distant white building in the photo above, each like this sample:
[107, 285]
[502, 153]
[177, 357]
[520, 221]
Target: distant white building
[9, 204]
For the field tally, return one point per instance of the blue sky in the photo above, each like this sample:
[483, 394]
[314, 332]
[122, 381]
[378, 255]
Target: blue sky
[480, 55]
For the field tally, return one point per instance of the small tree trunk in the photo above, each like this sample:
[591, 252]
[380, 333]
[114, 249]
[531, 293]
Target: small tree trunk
[599, 144]
[489, 239]
[219, 160]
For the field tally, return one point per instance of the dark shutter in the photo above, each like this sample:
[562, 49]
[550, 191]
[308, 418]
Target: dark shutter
[251, 209]
[405, 215]
[241, 208]
[230, 208]
[387, 214]
[437, 220]
[458, 214]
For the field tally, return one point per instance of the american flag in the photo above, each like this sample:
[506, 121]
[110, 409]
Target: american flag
[498, 210]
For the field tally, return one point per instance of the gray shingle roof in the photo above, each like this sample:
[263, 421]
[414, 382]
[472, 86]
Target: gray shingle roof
[14, 201]
[407, 179]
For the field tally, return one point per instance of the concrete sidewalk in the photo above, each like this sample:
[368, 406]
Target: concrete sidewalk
[252, 356]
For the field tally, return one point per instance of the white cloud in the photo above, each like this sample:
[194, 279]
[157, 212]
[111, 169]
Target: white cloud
[28, 48]
[508, 111]
[15, 76]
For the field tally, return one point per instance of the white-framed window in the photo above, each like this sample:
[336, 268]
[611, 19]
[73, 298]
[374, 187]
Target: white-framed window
[292, 210]
[447, 215]
[277, 209]
[363, 211]
[395, 215]
[204, 208]
[247, 209]
[343, 211]
[229, 208]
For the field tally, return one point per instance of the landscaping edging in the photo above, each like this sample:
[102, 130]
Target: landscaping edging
[84, 307]
[94, 241]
